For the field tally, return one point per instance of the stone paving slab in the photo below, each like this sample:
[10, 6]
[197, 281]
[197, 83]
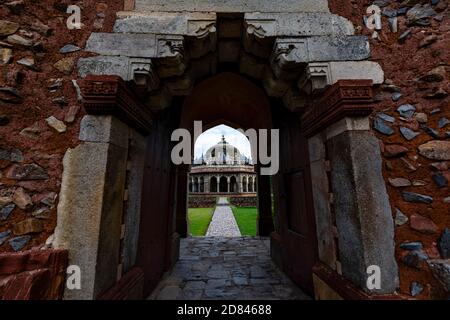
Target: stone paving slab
[223, 223]
[237, 268]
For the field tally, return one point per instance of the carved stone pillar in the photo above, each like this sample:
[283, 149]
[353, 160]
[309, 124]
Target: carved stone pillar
[94, 186]
[339, 124]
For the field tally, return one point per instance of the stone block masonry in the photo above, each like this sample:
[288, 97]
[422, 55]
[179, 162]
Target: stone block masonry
[233, 6]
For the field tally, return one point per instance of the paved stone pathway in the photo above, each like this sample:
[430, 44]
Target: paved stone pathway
[226, 268]
[223, 223]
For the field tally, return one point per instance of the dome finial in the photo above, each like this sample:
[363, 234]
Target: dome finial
[223, 139]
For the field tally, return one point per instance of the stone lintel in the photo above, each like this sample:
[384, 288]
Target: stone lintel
[346, 98]
[232, 6]
[290, 54]
[192, 24]
[297, 24]
[135, 45]
[109, 95]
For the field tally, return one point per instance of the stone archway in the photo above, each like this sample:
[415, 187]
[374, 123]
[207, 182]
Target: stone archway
[301, 60]
[223, 185]
[213, 184]
[233, 185]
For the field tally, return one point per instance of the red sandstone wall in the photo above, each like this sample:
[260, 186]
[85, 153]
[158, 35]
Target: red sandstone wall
[33, 194]
[404, 64]
[33, 275]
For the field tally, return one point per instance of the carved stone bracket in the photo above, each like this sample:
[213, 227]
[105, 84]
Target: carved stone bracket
[143, 73]
[171, 59]
[316, 76]
[109, 95]
[319, 75]
[140, 70]
[344, 98]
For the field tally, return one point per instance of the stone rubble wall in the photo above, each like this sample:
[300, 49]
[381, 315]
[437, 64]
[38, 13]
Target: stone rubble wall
[40, 111]
[411, 122]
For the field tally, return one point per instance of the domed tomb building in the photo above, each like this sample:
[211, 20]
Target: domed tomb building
[222, 170]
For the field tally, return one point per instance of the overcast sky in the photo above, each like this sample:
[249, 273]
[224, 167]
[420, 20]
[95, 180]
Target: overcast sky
[212, 136]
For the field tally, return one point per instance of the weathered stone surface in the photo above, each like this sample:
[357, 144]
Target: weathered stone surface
[128, 45]
[411, 246]
[291, 51]
[104, 65]
[435, 150]
[93, 177]
[69, 48]
[421, 117]
[106, 129]
[399, 182]
[386, 117]
[414, 259]
[72, 113]
[8, 27]
[394, 150]
[18, 243]
[443, 122]
[22, 199]
[380, 126]
[406, 110]
[422, 224]
[10, 95]
[419, 14]
[56, 124]
[136, 158]
[42, 28]
[6, 56]
[362, 209]
[435, 75]
[440, 180]
[441, 271]
[416, 289]
[408, 134]
[18, 40]
[444, 244]
[232, 6]
[27, 62]
[416, 197]
[195, 24]
[65, 65]
[4, 236]
[13, 155]
[296, 24]
[32, 132]
[400, 218]
[27, 226]
[319, 75]
[27, 172]
[6, 211]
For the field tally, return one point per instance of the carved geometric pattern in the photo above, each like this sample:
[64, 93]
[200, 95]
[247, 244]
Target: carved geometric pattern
[344, 98]
[109, 95]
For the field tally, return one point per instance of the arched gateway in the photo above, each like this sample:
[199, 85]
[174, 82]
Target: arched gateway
[290, 65]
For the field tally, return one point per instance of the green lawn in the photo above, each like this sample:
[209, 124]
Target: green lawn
[199, 219]
[246, 219]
